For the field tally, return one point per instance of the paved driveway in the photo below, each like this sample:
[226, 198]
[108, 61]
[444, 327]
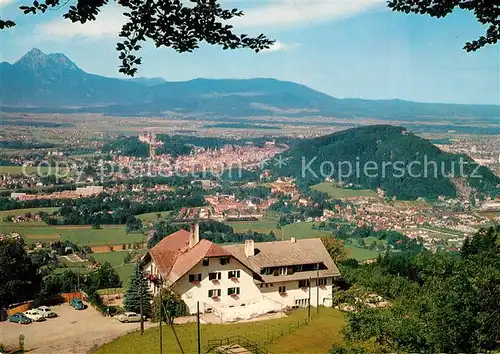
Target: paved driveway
[72, 332]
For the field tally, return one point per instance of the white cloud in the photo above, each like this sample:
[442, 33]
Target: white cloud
[280, 46]
[287, 13]
[5, 2]
[107, 24]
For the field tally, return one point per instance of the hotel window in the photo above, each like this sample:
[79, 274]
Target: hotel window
[301, 302]
[283, 271]
[214, 276]
[299, 268]
[282, 289]
[233, 274]
[224, 260]
[214, 293]
[194, 277]
[206, 262]
[322, 281]
[233, 291]
[303, 283]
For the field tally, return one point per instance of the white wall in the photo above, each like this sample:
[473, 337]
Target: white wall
[192, 293]
[293, 292]
[249, 291]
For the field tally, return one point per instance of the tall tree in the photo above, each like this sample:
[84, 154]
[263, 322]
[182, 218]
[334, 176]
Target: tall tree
[487, 13]
[335, 248]
[138, 285]
[19, 280]
[167, 23]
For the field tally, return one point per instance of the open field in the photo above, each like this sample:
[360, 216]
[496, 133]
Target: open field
[360, 254]
[151, 217]
[301, 340]
[338, 192]
[4, 214]
[79, 234]
[29, 170]
[297, 230]
[115, 258]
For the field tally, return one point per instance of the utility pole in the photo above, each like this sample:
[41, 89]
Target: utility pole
[160, 307]
[78, 283]
[317, 290]
[309, 305]
[140, 306]
[198, 325]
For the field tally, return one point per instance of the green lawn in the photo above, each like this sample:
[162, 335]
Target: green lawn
[326, 325]
[81, 235]
[5, 213]
[338, 192]
[360, 254]
[21, 170]
[151, 217]
[115, 258]
[298, 230]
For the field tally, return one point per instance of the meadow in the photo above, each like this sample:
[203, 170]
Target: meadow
[79, 234]
[152, 217]
[15, 212]
[360, 254]
[287, 336]
[115, 258]
[297, 230]
[29, 170]
[338, 192]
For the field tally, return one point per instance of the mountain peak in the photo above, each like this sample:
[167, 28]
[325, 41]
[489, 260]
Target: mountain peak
[35, 59]
[63, 61]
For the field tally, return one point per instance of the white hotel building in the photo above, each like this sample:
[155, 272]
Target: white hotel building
[240, 281]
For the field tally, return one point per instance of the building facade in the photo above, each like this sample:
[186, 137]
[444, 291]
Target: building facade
[267, 276]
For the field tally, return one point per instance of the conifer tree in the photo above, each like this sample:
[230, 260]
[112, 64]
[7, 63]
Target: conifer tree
[138, 285]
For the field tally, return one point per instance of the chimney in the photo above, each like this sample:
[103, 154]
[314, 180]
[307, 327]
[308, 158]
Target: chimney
[293, 240]
[194, 236]
[249, 248]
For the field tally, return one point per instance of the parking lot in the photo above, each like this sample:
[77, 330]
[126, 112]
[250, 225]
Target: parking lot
[72, 331]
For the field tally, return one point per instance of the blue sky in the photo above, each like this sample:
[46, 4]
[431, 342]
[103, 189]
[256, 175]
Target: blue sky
[343, 48]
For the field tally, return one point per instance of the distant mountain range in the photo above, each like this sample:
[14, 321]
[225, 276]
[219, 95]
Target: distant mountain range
[40, 82]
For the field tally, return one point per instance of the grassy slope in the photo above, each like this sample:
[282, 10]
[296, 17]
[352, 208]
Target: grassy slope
[337, 192]
[327, 325]
[82, 235]
[360, 254]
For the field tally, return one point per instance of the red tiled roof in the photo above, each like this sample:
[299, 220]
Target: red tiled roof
[174, 258]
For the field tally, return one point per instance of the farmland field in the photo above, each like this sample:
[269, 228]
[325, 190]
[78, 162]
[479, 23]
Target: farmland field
[81, 235]
[360, 254]
[328, 323]
[151, 217]
[16, 212]
[297, 230]
[116, 259]
[28, 170]
[338, 192]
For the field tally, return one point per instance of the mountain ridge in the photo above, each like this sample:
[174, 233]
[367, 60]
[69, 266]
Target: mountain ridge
[52, 82]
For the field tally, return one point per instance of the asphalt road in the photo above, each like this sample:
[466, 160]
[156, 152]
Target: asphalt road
[72, 332]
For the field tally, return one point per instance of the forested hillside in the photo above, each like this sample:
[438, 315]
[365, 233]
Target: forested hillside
[440, 303]
[387, 157]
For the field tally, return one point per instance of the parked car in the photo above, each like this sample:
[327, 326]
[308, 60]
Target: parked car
[46, 312]
[129, 317]
[77, 304]
[19, 318]
[34, 315]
